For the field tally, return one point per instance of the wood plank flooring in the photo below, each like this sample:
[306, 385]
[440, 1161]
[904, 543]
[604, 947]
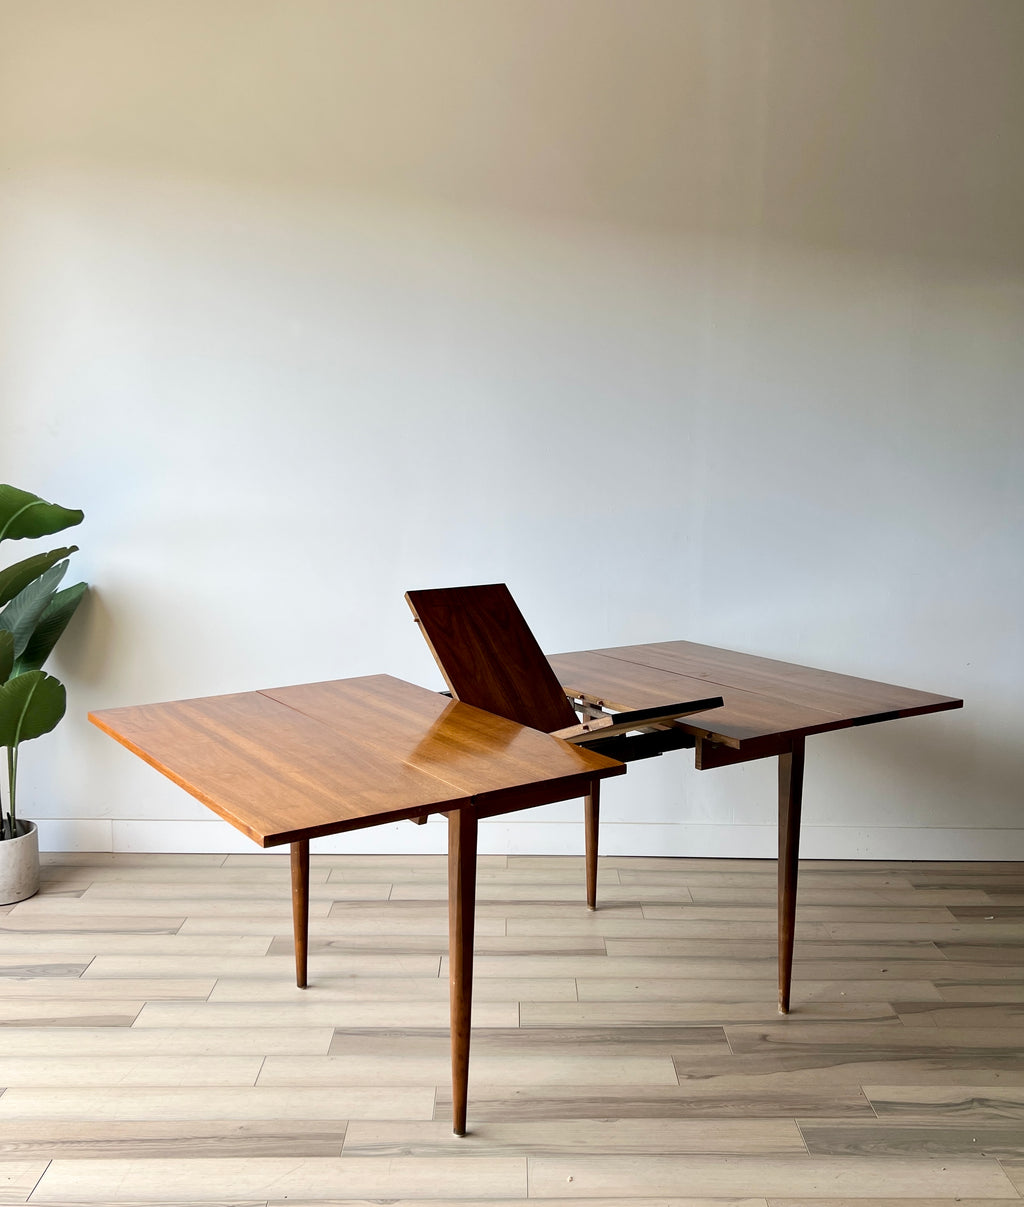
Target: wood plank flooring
[154, 1049]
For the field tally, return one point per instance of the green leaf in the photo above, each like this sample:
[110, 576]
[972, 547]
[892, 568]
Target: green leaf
[6, 655]
[30, 705]
[51, 624]
[17, 577]
[27, 515]
[23, 612]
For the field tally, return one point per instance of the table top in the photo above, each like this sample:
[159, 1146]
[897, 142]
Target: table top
[764, 699]
[299, 762]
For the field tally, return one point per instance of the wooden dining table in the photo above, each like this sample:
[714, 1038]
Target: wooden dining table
[290, 764]
[287, 765]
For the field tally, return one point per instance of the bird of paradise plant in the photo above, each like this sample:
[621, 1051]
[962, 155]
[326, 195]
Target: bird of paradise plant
[34, 615]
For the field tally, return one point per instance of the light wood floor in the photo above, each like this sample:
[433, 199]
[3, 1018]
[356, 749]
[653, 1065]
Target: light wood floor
[154, 1047]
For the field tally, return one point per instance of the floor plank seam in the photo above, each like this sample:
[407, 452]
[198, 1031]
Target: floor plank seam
[878, 1092]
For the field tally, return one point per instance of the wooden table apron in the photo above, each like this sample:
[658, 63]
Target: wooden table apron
[290, 764]
[770, 709]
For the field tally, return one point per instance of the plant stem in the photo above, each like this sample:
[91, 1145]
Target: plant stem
[12, 781]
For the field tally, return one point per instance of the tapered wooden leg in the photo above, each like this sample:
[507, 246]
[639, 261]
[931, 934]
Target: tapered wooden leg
[791, 784]
[462, 835]
[300, 907]
[592, 809]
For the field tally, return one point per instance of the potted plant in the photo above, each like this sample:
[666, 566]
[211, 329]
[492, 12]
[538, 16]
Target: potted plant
[33, 615]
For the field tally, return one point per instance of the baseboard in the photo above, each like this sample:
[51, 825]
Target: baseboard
[502, 836]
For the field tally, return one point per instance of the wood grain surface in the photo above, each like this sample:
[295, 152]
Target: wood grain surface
[764, 698]
[619, 1057]
[489, 656]
[302, 762]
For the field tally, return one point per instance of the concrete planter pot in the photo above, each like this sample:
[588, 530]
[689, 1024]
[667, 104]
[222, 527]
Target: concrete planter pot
[19, 864]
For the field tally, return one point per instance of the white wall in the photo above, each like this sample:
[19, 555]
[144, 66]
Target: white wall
[694, 318]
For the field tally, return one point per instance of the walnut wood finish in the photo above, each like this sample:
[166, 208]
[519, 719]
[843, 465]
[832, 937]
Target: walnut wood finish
[592, 816]
[276, 774]
[290, 764]
[488, 655]
[791, 787]
[763, 698]
[462, 843]
[301, 762]
[769, 709]
[300, 907]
